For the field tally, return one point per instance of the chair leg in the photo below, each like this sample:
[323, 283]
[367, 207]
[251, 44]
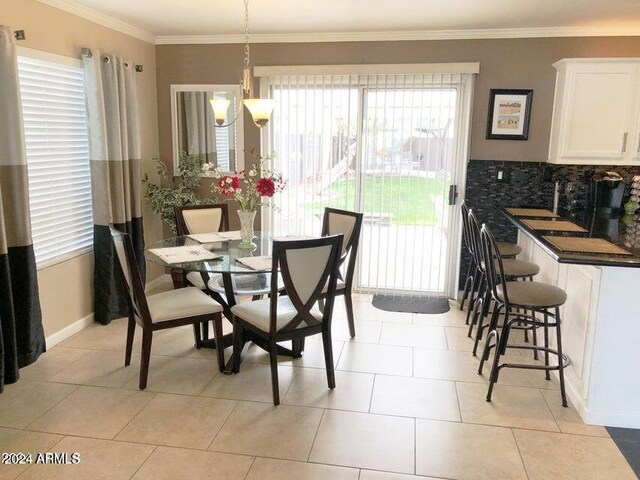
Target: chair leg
[350, 318]
[547, 375]
[205, 331]
[478, 307]
[473, 294]
[534, 333]
[501, 345]
[147, 336]
[197, 338]
[273, 360]
[131, 329]
[563, 392]
[328, 359]
[217, 332]
[238, 344]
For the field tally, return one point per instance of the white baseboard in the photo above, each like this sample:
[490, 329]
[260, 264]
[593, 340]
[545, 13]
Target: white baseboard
[69, 330]
[83, 323]
[161, 280]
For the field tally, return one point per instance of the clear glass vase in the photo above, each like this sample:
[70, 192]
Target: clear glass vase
[246, 229]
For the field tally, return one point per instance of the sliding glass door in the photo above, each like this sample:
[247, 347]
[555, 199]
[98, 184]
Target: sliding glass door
[386, 145]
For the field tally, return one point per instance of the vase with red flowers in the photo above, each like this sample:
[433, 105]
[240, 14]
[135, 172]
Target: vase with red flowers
[249, 188]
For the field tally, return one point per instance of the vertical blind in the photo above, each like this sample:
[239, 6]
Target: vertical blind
[385, 145]
[55, 125]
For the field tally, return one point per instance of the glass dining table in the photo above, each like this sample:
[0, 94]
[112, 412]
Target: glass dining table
[227, 272]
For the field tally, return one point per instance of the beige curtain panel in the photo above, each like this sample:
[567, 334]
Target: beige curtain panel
[115, 158]
[21, 334]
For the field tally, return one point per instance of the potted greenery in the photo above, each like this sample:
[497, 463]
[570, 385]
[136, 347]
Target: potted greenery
[176, 190]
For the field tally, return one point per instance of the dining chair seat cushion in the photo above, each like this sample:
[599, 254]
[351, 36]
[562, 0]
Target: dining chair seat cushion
[181, 303]
[508, 249]
[532, 294]
[340, 285]
[517, 268]
[257, 313]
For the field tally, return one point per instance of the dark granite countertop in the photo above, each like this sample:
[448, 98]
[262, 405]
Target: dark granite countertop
[622, 230]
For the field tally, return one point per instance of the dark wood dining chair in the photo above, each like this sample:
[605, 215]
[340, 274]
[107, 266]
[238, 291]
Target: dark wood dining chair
[307, 267]
[175, 308]
[349, 225]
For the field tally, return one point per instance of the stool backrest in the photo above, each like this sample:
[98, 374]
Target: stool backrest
[474, 239]
[349, 225]
[494, 270]
[464, 209]
[202, 218]
[131, 274]
[306, 266]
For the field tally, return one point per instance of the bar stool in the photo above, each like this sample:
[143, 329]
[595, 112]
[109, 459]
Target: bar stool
[536, 297]
[513, 270]
[471, 285]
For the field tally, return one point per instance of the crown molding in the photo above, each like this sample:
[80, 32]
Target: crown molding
[536, 32]
[100, 18]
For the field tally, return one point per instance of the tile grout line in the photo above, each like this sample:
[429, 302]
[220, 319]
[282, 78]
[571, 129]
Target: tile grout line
[155, 447]
[316, 435]
[373, 386]
[222, 426]
[155, 395]
[52, 406]
[250, 467]
[513, 434]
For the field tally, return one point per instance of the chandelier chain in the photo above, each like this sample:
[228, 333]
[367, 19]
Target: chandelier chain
[246, 33]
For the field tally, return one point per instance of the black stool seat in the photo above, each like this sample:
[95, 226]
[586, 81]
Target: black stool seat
[532, 294]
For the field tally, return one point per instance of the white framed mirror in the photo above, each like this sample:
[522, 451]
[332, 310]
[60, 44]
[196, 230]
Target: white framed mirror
[193, 126]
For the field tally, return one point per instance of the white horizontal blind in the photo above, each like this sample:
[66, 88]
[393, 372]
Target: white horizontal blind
[55, 125]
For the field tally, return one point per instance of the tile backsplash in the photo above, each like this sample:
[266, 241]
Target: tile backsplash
[527, 184]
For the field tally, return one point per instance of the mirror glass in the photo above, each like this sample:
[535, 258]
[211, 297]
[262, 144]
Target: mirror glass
[195, 132]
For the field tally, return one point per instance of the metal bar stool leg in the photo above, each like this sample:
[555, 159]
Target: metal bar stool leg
[563, 392]
[547, 375]
[465, 290]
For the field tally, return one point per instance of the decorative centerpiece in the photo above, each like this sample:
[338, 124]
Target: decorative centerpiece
[248, 188]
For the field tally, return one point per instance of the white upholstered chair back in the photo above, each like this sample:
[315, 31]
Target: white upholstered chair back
[306, 267]
[204, 220]
[341, 224]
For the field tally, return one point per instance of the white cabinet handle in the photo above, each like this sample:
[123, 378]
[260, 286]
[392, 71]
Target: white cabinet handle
[624, 141]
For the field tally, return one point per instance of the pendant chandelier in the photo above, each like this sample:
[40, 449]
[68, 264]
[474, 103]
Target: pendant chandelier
[259, 108]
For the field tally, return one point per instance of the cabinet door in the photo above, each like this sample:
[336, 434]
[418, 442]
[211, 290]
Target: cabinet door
[599, 109]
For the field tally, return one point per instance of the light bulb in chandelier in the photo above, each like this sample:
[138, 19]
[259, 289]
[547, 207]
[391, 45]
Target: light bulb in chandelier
[220, 107]
[260, 109]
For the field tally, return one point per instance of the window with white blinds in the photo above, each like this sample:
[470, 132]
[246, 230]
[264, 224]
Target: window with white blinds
[55, 126]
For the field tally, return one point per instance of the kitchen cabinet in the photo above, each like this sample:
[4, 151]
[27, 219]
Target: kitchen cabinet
[600, 334]
[596, 113]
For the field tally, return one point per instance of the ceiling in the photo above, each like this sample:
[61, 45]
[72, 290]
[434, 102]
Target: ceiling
[180, 21]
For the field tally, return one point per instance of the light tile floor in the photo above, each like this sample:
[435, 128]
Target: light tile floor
[408, 405]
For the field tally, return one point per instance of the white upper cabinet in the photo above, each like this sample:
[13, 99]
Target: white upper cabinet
[596, 113]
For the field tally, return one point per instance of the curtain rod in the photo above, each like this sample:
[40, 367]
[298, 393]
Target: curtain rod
[19, 35]
[86, 52]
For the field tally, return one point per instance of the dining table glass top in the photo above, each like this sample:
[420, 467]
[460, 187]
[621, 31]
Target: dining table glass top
[227, 253]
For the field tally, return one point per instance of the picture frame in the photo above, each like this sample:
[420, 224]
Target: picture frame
[509, 114]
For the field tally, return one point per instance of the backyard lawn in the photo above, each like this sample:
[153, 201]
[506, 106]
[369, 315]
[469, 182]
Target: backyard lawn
[408, 199]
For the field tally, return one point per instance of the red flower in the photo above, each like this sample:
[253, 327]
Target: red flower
[266, 187]
[228, 185]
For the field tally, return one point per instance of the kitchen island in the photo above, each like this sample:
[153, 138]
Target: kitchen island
[601, 318]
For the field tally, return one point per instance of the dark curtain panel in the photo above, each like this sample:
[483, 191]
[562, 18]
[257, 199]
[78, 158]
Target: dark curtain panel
[21, 333]
[114, 144]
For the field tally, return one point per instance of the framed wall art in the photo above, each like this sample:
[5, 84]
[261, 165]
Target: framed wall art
[509, 114]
